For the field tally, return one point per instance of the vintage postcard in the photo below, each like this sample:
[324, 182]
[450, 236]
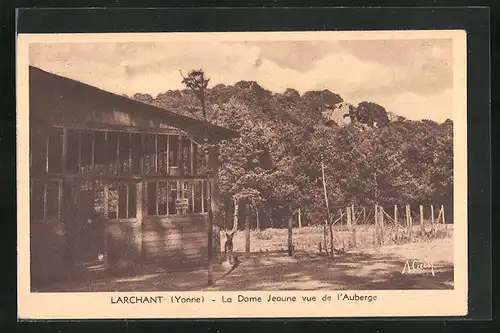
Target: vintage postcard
[242, 175]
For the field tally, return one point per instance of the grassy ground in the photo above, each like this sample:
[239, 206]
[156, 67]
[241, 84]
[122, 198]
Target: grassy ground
[268, 267]
[307, 239]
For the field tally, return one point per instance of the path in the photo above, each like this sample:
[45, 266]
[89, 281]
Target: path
[372, 269]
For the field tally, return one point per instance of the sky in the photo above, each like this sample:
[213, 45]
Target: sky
[412, 78]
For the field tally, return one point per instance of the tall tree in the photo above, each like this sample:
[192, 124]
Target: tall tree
[197, 82]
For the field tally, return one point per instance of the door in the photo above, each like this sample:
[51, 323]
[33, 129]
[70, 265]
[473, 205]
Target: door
[92, 227]
[86, 224]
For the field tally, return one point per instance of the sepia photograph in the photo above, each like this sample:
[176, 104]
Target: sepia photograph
[243, 162]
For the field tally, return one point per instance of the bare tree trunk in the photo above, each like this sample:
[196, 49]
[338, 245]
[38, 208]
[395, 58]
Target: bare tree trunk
[247, 229]
[235, 216]
[257, 219]
[324, 190]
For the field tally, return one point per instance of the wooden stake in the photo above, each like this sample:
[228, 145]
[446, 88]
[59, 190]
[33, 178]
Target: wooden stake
[382, 226]
[444, 222]
[410, 222]
[432, 219]
[422, 231]
[290, 231]
[349, 222]
[299, 219]
[341, 220]
[396, 215]
[354, 222]
[364, 215]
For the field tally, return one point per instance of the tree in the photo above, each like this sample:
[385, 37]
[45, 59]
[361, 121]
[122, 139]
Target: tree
[198, 84]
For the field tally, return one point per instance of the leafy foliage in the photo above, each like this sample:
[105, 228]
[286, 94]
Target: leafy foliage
[275, 165]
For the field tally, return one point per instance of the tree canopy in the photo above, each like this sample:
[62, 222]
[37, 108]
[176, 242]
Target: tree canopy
[375, 158]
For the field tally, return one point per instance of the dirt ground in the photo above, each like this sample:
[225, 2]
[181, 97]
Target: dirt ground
[383, 268]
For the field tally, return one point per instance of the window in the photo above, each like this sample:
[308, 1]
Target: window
[136, 150]
[45, 200]
[124, 143]
[72, 150]
[99, 151]
[54, 150]
[161, 197]
[173, 150]
[38, 149]
[112, 152]
[162, 154]
[149, 154]
[87, 151]
[121, 201]
[189, 195]
[173, 188]
[187, 156]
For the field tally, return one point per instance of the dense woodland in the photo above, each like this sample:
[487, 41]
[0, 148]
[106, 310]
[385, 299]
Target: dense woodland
[369, 155]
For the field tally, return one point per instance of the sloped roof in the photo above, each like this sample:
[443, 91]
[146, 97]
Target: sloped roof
[191, 126]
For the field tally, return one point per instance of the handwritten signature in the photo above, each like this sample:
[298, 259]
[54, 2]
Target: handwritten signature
[417, 266]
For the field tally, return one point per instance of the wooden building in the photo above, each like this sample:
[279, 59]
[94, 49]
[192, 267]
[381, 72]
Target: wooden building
[115, 182]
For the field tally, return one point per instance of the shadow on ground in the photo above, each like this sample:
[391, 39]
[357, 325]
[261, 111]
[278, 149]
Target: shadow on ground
[277, 271]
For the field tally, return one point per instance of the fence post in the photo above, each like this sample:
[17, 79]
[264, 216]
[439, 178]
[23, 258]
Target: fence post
[290, 231]
[434, 229]
[410, 222]
[396, 216]
[300, 219]
[444, 222]
[349, 223]
[342, 227]
[382, 226]
[422, 230]
[354, 222]
[341, 222]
